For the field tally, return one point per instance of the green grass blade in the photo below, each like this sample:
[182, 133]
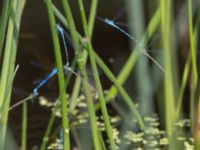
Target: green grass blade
[168, 79]
[193, 63]
[24, 126]
[3, 22]
[61, 81]
[75, 93]
[182, 87]
[92, 16]
[192, 44]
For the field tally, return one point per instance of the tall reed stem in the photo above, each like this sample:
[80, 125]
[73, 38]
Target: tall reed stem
[61, 80]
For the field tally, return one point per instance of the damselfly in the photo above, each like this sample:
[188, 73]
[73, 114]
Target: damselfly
[112, 23]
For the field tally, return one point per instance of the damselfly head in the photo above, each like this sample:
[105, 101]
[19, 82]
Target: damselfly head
[109, 21]
[106, 20]
[59, 27]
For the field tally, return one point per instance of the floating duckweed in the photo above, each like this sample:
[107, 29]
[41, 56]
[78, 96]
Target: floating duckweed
[45, 102]
[179, 124]
[115, 119]
[102, 128]
[82, 97]
[164, 141]
[74, 112]
[162, 132]
[181, 138]
[144, 141]
[191, 139]
[116, 135]
[67, 131]
[57, 140]
[101, 125]
[150, 119]
[134, 137]
[98, 123]
[150, 137]
[82, 120]
[96, 96]
[183, 123]
[81, 117]
[188, 146]
[42, 101]
[153, 131]
[82, 105]
[55, 145]
[67, 95]
[57, 112]
[152, 143]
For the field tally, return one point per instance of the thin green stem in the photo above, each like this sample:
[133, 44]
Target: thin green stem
[90, 106]
[75, 93]
[4, 20]
[182, 87]
[61, 81]
[71, 25]
[92, 16]
[60, 16]
[168, 80]
[192, 44]
[193, 62]
[24, 126]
